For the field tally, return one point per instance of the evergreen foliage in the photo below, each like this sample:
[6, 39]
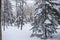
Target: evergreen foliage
[6, 15]
[20, 13]
[41, 28]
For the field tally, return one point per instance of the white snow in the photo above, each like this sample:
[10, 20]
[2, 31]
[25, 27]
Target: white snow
[13, 33]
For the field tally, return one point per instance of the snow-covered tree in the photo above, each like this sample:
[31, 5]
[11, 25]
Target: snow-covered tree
[46, 19]
[6, 15]
[20, 12]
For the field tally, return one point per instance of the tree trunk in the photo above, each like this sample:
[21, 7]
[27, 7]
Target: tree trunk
[45, 33]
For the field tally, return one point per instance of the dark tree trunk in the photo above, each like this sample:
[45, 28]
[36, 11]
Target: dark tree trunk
[45, 33]
[4, 23]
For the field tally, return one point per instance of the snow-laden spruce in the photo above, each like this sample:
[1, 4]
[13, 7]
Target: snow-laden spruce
[6, 15]
[42, 28]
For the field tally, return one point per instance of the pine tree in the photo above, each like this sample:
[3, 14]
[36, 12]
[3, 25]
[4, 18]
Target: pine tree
[45, 11]
[7, 12]
[11, 19]
[20, 12]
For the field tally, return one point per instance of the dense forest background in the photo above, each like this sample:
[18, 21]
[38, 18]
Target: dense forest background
[43, 16]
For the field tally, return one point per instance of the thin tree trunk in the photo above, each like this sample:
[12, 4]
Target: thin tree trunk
[4, 24]
[22, 15]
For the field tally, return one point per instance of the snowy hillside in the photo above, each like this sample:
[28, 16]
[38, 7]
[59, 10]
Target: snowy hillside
[13, 33]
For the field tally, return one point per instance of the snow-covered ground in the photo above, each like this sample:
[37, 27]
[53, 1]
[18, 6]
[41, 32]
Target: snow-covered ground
[13, 33]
